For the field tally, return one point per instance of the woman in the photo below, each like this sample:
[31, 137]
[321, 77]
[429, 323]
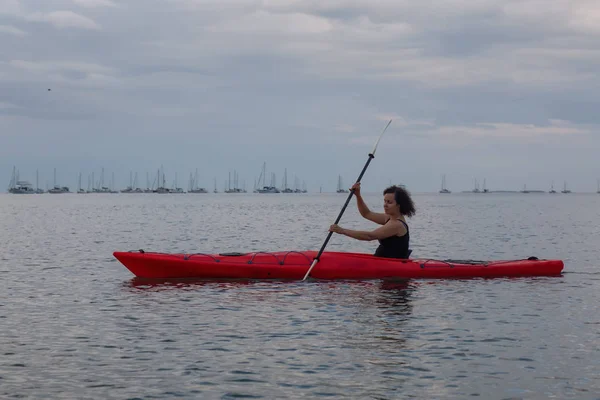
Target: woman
[393, 236]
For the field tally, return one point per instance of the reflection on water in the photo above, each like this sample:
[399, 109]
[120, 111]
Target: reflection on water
[395, 297]
[186, 283]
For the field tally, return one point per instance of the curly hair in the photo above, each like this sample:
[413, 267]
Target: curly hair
[403, 199]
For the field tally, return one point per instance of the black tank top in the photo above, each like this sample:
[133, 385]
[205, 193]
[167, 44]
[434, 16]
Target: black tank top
[394, 246]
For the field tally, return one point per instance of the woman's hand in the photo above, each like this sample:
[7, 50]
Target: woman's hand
[356, 188]
[336, 228]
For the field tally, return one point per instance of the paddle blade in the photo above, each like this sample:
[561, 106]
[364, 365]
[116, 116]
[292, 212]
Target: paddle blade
[315, 261]
[380, 136]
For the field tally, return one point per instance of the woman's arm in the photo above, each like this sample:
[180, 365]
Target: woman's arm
[378, 218]
[380, 233]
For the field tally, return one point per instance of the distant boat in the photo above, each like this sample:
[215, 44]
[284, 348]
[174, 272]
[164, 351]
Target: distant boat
[17, 186]
[22, 187]
[598, 182]
[133, 185]
[194, 188]
[297, 189]
[58, 189]
[175, 188]
[101, 188]
[149, 188]
[235, 188]
[269, 189]
[286, 189]
[37, 183]
[161, 188]
[485, 190]
[265, 188]
[524, 189]
[80, 190]
[565, 190]
[444, 189]
[552, 188]
[340, 188]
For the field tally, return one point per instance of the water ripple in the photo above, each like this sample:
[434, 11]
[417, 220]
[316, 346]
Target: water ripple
[76, 324]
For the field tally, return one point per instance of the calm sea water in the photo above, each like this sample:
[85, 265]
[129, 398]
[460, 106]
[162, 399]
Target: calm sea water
[74, 323]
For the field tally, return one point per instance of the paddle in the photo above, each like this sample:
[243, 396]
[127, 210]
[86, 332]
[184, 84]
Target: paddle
[371, 156]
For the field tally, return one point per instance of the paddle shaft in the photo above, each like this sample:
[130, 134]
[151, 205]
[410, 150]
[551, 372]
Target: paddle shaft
[339, 217]
[371, 156]
[316, 260]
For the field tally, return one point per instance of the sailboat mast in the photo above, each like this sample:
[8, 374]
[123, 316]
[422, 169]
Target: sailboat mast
[12, 178]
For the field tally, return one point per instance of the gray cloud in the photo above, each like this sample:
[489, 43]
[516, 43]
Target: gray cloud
[304, 85]
[11, 30]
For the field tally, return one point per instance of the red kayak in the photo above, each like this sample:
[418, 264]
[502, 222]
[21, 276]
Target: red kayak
[332, 265]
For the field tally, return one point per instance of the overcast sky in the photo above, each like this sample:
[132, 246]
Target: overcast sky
[506, 90]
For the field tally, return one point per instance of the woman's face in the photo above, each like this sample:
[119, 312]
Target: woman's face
[389, 204]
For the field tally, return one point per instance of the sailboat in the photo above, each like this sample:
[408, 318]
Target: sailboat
[444, 189]
[160, 177]
[129, 189]
[552, 188]
[175, 188]
[476, 187]
[149, 189]
[58, 189]
[598, 182]
[17, 186]
[194, 188]
[235, 188]
[524, 189]
[101, 188]
[79, 188]
[265, 188]
[286, 189]
[37, 183]
[136, 188]
[340, 186]
[565, 190]
[112, 185]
